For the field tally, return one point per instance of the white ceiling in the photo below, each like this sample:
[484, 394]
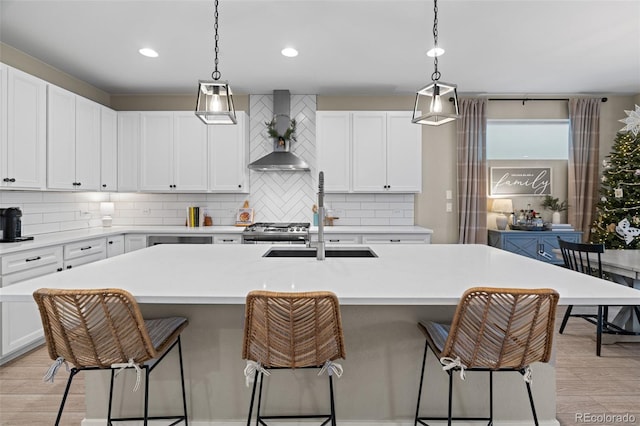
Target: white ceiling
[357, 47]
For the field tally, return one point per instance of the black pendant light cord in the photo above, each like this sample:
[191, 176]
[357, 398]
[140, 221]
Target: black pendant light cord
[216, 74]
[436, 74]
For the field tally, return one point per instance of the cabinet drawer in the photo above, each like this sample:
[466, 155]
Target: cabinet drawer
[227, 239]
[397, 239]
[75, 262]
[342, 239]
[30, 259]
[85, 248]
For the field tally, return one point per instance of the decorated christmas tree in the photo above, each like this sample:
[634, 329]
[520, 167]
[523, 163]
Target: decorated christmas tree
[617, 223]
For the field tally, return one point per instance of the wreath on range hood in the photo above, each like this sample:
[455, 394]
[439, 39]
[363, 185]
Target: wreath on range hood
[289, 134]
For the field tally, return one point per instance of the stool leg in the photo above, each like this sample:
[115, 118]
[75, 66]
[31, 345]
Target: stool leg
[450, 397]
[146, 394]
[424, 359]
[567, 314]
[333, 406]
[533, 407]
[73, 372]
[253, 395]
[184, 394]
[113, 373]
[490, 398]
[258, 419]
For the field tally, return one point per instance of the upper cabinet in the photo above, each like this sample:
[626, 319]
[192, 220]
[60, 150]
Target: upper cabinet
[333, 133]
[228, 156]
[73, 145]
[173, 152]
[23, 137]
[369, 151]
[128, 150]
[108, 149]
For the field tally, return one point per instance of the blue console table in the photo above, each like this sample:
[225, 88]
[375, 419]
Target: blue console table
[537, 245]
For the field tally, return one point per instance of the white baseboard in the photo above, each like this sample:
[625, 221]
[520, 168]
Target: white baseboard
[101, 422]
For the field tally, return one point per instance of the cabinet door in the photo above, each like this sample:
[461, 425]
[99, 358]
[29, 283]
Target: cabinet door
[522, 244]
[115, 245]
[87, 139]
[108, 149]
[61, 138]
[128, 150]
[190, 152]
[24, 130]
[404, 153]
[228, 159]
[156, 152]
[133, 242]
[333, 135]
[369, 151]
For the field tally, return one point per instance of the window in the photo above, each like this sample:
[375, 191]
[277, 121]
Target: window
[527, 139]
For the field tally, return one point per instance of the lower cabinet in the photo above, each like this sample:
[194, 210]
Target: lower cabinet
[397, 239]
[133, 242]
[21, 324]
[537, 245]
[115, 245]
[227, 239]
[82, 252]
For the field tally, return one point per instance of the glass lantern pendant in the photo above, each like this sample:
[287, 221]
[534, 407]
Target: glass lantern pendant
[214, 103]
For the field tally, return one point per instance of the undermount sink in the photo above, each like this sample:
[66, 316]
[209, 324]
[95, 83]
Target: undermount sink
[328, 252]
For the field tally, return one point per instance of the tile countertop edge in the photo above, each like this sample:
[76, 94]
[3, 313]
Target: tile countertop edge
[65, 237]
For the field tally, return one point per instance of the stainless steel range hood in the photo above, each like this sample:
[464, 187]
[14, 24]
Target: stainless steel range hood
[281, 158]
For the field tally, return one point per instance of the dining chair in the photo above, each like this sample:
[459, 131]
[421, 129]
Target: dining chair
[587, 259]
[493, 330]
[291, 331]
[103, 329]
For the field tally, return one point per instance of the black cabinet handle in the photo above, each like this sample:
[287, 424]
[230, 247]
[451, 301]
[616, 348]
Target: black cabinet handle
[6, 180]
[12, 180]
[240, 186]
[79, 183]
[110, 242]
[59, 269]
[69, 266]
[104, 185]
[33, 259]
[227, 241]
[394, 241]
[334, 241]
[85, 248]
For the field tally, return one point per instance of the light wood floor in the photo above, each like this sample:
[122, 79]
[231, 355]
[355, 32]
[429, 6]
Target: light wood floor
[609, 384]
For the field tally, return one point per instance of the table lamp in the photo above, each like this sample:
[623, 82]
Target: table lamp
[106, 209]
[502, 206]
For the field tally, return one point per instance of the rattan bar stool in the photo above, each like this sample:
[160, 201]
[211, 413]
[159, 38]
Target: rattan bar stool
[103, 329]
[291, 330]
[493, 329]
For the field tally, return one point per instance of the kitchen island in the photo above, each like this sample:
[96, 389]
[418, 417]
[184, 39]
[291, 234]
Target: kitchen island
[382, 298]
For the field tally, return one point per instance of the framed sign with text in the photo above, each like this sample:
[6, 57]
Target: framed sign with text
[514, 181]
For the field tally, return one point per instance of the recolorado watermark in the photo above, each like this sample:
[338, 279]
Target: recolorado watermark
[606, 418]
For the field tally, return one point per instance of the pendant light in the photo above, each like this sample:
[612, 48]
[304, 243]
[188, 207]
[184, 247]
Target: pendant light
[431, 98]
[215, 100]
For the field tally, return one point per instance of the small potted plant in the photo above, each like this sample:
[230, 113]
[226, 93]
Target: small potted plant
[550, 203]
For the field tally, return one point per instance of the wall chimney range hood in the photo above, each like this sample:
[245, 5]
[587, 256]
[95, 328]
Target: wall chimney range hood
[281, 158]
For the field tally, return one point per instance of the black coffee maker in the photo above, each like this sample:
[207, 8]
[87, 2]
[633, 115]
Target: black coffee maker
[11, 226]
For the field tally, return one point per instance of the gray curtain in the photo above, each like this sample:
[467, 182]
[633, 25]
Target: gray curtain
[584, 144]
[472, 171]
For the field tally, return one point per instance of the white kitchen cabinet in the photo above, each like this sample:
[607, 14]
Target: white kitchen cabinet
[21, 324]
[387, 153]
[23, 127]
[333, 135]
[83, 252]
[108, 149]
[228, 156]
[396, 239]
[128, 150]
[133, 242]
[173, 152]
[115, 245]
[73, 141]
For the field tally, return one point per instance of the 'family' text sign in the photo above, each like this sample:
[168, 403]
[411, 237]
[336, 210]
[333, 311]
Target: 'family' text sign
[520, 181]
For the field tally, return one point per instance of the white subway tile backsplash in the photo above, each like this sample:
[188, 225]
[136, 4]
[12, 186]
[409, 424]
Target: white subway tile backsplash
[374, 221]
[400, 222]
[13, 198]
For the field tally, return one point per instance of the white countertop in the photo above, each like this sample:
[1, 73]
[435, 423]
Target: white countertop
[44, 240]
[416, 274]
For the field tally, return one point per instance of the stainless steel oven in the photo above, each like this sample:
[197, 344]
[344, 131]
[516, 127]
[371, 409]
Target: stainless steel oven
[276, 233]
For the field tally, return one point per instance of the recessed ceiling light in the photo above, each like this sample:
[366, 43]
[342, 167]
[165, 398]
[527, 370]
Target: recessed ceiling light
[289, 52]
[148, 52]
[436, 51]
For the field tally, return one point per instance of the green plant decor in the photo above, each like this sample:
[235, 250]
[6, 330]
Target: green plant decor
[550, 203]
[289, 134]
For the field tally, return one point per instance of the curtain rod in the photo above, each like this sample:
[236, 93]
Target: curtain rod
[531, 99]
